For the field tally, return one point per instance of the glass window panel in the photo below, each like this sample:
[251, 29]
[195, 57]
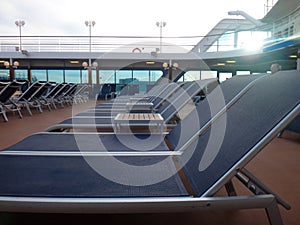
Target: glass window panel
[4, 74]
[85, 77]
[224, 76]
[124, 76]
[155, 75]
[72, 76]
[208, 74]
[192, 75]
[226, 41]
[56, 76]
[141, 77]
[94, 73]
[107, 76]
[21, 74]
[38, 75]
[243, 73]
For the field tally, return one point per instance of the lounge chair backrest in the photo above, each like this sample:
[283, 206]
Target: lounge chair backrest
[62, 90]
[165, 93]
[3, 85]
[130, 89]
[80, 89]
[8, 91]
[175, 95]
[73, 90]
[30, 92]
[186, 94]
[212, 104]
[43, 90]
[156, 89]
[54, 90]
[70, 90]
[239, 134]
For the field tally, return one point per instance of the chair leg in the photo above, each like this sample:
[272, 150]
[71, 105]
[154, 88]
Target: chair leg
[3, 112]
[230, 189]
[49, 107]
[20, 114]
[28, 109]
[273, 214]
[4, 117]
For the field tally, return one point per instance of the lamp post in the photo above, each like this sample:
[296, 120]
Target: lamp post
[161, 24]
[20, 24]
[90, 24]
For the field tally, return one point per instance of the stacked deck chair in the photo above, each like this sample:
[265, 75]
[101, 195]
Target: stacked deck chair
[81, 94]
[186, 179]
[6, 93]
[154, 91]
[168, 110]
[55, 95]
[43, 92]
[30, 98]
[68, 96]
[219, 98]
[120, 104]
[138, 104]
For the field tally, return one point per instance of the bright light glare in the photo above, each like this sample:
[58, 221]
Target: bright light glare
[252, 45]
[252, 40]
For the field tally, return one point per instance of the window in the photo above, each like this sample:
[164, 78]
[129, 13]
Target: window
[4, 75]
[155, 75]
[208, 74]
[224, 76]
[107, 76]
[243, 73]
[124, 76]
[198, 75]
[56, 76]
[72, 76]
[21, 74]
[192, 75]
[39, 75]
[141, 77]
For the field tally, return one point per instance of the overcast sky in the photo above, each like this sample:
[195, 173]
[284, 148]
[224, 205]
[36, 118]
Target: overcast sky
[120, 17]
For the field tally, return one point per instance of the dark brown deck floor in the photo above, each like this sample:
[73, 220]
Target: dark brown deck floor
[278, 166]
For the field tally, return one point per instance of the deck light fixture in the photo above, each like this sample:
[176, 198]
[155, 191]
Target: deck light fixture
[6, 64]
[171, 66]
[16, 64]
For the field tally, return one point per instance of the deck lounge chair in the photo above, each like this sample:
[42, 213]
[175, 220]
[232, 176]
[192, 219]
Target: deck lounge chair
[89, 183]
[81, 94]
[172, 89]
[168, 110]
[228, 92]
[43, 92]
[5, 99]
[152, 92]
[55, 95]
[105, 91]
[29, 98]
[119, 104]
